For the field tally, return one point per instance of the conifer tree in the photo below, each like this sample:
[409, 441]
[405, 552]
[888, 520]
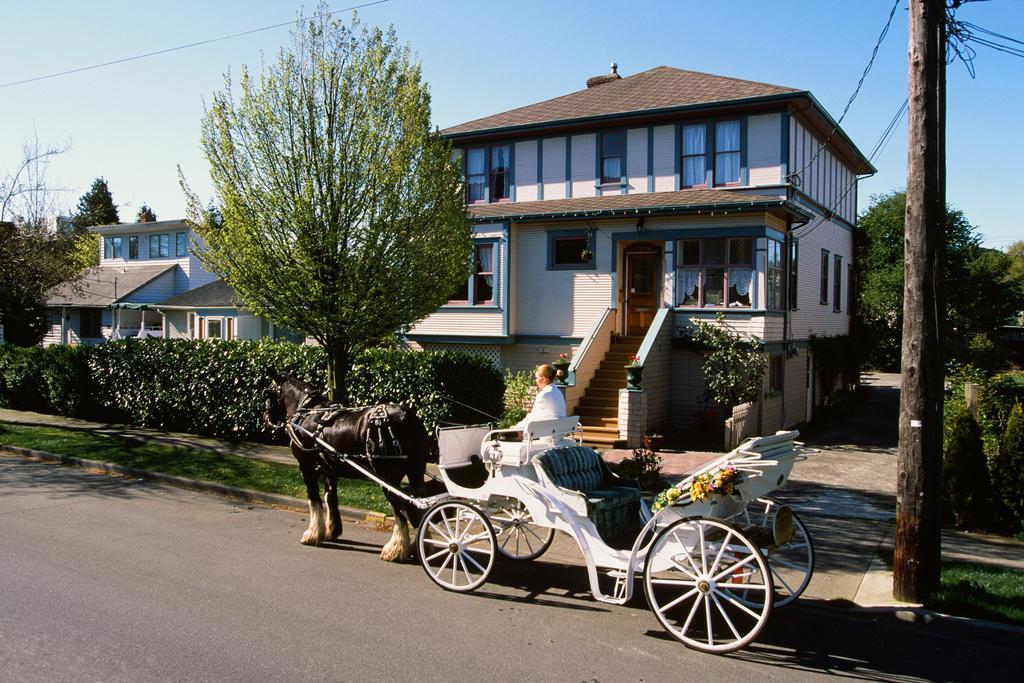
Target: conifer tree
[145, 215]
[965, 482]
[96, 207]
[1008, 467]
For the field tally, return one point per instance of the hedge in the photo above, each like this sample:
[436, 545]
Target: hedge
[215, 387]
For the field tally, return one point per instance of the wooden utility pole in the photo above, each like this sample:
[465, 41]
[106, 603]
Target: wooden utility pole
[916, 562]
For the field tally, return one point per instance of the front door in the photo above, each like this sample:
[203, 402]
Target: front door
[643, 290]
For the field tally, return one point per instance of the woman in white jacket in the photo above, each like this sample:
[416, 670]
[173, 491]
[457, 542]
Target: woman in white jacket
[549, 404]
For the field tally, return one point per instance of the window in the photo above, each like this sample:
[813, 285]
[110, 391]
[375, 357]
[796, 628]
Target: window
[89, 323]
[476, 175]
[837, 291]
[483, 276]
[500, 173]
[824, 276]
[159, 246]
[694, 155]
[111, 247]
[849, 289]
[774, 275]
[570, 251]
[613, 148]
[478, 289]
[181, 244]
[715, 272]
[727, 152]
[214, 328]
[794, 260]
[488, 173]
[776, 373]
[133, 247]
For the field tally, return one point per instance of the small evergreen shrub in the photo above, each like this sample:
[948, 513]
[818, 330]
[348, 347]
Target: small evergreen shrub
[519, 393]
[965, 480]
[1008, 467]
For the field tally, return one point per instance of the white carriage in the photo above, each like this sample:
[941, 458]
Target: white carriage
[712, 569]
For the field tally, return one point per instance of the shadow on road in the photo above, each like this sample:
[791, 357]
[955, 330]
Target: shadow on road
[19, 474]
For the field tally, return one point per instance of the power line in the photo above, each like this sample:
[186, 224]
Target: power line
[179, 47]
[795, 176]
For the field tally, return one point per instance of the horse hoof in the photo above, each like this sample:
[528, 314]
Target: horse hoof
[333, 534]
[309, 538]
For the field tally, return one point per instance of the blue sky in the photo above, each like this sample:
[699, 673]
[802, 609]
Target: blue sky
[134, 123]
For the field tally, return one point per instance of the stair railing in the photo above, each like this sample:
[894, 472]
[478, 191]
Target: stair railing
[588, 357]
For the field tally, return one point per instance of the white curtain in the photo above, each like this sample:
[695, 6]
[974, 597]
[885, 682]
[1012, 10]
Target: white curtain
[727, 152]
[739, 283]
[689, 280]
[486, 264]
[612, 168]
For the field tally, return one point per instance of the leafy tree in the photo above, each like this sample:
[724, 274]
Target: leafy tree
[733, 367]
[341, 213]
[1016, 254]
[145, 215]
[96, 207]
[980, 291]
[33, 256]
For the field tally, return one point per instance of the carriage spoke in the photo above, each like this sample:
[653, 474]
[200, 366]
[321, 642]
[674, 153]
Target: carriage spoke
[686, 552]
[678, 600]
[436, 555]
[739, 603]
[707, 614]
[703, 553]
[467, 556]
[742, 563]
[788, 565]
[725, 616]
[680, 567]
[475, 538]
[444, 564]
[721, 551]
[440, 533]
[782, 580]
[673, 582]
[693, 611]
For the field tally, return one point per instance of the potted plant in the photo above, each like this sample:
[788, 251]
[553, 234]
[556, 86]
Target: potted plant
[561, 367]
[634, 373]
[652, 442]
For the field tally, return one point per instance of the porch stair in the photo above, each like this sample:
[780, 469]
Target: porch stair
[598, 409]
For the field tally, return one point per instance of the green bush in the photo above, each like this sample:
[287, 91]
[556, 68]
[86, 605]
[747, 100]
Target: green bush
[519, 392]
[54, 379]
[966, 486]
[215, 388]
[1008, 467]
[643, 467]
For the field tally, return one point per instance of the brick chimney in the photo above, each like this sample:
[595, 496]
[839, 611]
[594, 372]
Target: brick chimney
[605, 78]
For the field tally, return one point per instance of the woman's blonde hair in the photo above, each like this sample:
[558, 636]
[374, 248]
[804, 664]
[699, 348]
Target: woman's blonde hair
[545, 370]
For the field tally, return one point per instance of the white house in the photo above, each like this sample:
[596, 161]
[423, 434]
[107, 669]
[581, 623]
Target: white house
[606, 219]
[140, 265]
[213, 311]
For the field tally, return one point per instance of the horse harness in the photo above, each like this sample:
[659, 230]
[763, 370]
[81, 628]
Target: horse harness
[386, 445]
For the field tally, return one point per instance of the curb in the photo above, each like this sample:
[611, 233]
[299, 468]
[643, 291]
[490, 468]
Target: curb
[245, 495]
[922, 616]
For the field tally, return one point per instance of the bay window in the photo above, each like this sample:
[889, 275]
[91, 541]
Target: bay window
[774, 275]
[714, 273]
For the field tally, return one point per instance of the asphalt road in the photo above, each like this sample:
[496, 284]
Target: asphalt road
[108, 579]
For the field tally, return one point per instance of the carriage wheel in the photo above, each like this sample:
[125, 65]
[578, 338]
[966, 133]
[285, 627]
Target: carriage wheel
[456, 546]
[519, 537]
[791, 563]
[696, 571]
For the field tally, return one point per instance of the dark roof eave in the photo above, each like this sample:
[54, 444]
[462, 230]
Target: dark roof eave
[784, 204]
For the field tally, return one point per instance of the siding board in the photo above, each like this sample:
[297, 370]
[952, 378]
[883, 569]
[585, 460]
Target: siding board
[554, 168]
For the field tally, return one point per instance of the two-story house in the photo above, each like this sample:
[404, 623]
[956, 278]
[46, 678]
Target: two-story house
[607, 219]
[140, 265]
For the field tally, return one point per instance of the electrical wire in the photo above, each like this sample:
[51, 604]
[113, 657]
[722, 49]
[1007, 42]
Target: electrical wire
[794, 177]
[179, 47]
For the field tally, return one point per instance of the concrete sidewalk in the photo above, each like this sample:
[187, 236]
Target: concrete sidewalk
[846, 495]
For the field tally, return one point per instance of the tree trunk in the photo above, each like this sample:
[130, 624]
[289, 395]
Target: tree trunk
[338, 360]
[916, 562]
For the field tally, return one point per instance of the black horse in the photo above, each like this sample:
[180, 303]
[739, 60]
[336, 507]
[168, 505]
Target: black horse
[392, 438]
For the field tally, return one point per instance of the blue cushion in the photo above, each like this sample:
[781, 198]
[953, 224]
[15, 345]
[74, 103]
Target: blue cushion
[572, 467]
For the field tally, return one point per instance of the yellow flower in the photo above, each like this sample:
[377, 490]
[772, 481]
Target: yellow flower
[673, 493]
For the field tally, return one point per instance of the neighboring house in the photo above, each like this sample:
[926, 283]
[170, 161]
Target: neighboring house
[606, 219]
[140, 264]
[214, 311]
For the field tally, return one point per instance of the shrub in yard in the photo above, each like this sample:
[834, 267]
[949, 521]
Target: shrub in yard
[965, 481]
[1008, 467]
[643, 467]
[519, 394]
[55, 379]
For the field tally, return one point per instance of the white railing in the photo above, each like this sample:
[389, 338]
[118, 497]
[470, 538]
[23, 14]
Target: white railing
[588, 358]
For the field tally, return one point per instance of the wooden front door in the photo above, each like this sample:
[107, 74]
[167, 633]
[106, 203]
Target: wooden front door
[643, 289]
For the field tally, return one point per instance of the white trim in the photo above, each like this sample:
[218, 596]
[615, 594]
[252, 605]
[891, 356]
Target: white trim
[223, 326]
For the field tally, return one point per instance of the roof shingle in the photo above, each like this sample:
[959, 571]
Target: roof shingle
[659, 88]
[217, 294]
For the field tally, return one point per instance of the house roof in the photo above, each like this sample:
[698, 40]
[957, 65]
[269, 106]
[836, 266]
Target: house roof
[217, 294]
[97, 286]
[153, 226]
[660, 88]
[639, 204]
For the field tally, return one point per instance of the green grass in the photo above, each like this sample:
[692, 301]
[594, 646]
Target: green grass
[184, 462]
[980, 591]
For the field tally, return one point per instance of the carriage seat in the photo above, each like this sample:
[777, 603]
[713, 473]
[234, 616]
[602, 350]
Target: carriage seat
[586, 484]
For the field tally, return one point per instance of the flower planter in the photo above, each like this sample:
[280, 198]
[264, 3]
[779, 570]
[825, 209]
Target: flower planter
[634, 377]
[561, 371]
[652, 442]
